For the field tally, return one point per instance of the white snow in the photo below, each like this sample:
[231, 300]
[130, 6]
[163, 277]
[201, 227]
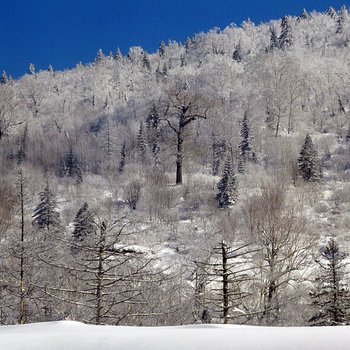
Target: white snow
[68, 335]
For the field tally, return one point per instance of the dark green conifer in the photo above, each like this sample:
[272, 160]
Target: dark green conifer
[308, 162]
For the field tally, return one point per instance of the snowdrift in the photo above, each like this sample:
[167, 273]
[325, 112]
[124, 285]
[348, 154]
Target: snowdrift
[67, 335]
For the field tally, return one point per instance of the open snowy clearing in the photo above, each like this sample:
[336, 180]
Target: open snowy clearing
[76, 336]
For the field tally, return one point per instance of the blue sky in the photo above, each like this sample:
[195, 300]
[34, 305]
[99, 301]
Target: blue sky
[65, 32]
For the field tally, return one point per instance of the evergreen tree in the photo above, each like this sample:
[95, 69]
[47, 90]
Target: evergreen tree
[273, 39]
[187, 44]
[152, 124]
[245, 149]
[118, 55]
[286, 39]
[347, 137]
[341, 20]
[141, 144]
[161, 50]
[83, 223]
[237, 53]
[71, 163]
[219, 149]
[50, 69]
[227, 186]
[308, 162]
[22, 152]
[303, 15]
[31, 69]
[331, 295]
[46, 214]
[4, 78]
[145, 61]
[331, 12]
[100, 56]
[122, 158]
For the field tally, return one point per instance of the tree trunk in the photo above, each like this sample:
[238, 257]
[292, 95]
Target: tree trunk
[225, 290]
[100, 273]
[21, 318]
[179, 156]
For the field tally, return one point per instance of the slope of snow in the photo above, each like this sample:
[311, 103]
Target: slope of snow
[67, 335]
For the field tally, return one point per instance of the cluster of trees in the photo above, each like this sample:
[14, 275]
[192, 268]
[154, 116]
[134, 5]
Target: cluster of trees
[190, 144]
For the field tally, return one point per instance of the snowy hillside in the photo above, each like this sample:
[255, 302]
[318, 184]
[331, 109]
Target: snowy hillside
[207, 182]
[76, 336]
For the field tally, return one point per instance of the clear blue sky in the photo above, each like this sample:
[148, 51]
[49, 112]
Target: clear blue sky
[65, 32]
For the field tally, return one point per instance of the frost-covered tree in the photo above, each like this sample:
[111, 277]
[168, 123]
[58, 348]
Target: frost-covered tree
[22, 151]
[219, 149]
[118, 55]
[309, 163]
[342, 19]
[4, 78]
[100, 56]
[146, 62]
[245, 149]
[71, 165]
[83, 223]
[153, 132]
[227, 186]
[141, 144]
[286, 39]
[330, 298]
[222, 277]
[347, 137]
[274, 44]
[122, 158]
[161, 50]
[237, 53]
[182, 106]
[331, 12]
[46, 214]
[304, 15]
[31, 69]
[188, 43]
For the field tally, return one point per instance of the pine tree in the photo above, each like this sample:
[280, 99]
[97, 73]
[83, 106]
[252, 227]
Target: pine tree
[347, 137]
[152, 124]
[227, 186]
[331, 295]
[122, 158]
[245, 149]
[237, 53]
[84, 224]
[273, 39]
[303, 15]
[118, 55]
[308, 162]
[50, 69]
[145, 61]
[31, 69]
[187, 44]
[100, 56]
[22, 152]
[331, 12]
[4, 79]
[219, 149]
[71, 162]
[286, 39]
[161, 50]
[341, 20]
[46, 214]
[141, 144]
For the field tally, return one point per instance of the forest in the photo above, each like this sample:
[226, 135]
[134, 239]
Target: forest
[207, 182]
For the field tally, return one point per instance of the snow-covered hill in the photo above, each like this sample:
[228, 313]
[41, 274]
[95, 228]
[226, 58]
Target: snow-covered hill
[68, 335]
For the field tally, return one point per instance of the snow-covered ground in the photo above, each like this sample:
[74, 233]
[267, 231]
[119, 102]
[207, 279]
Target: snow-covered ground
[67, 335]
